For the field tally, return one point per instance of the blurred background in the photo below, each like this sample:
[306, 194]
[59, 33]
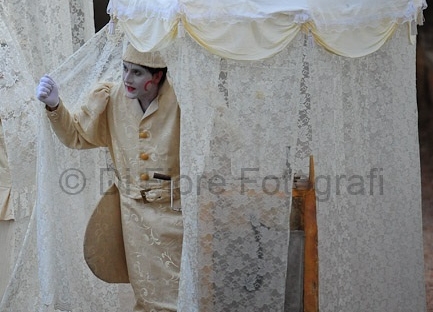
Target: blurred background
[425, 125]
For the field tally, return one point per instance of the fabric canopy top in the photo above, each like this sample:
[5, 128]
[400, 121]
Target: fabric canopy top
[257, 29]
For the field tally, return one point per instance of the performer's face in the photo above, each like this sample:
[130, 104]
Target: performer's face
[138, 80]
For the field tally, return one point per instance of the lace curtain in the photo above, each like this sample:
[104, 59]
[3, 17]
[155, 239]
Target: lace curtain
[358, 118]
[36, 37]
[30, 47]
[247, 126]
[49, 271]
[360, 128]
[238, 137]
[255, 29]
[365, 142]
[48, 32]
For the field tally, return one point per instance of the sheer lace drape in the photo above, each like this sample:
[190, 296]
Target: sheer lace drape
[16, 120]
[239, 129]
[48, 31]
[41, 267]
[357, 117]
[36, 38]
[50, 272]
[256, 29]
[365, 142]
[246, 127]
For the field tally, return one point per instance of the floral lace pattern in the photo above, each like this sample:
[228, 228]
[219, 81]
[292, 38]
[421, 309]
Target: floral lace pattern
[43, 267]
[365, 144]
[238, 124]
[246, 127]
[255, 30]
[357, 117]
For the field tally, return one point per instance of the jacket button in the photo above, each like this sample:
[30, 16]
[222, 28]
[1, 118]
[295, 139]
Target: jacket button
[144, 176]
[144, 156]
[144, 135]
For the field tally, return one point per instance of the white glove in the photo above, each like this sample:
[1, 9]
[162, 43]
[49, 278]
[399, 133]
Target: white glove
[48, 92]
[158, 195]
[161, 195]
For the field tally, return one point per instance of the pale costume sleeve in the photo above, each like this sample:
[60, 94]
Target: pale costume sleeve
[6, 212]
[88, 128]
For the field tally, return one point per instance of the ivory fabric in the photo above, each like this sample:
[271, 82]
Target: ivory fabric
[48, 32]
[152, 231]
[357, 117]
[114, 121]
[147, 59]
[239, 128]
[256, 29]
[364, 139]
[104, 248]
[42, 266]
[350, 122]
[18, 181]
[153, 247]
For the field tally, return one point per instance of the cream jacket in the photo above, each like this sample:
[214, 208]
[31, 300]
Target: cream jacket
[140, 144]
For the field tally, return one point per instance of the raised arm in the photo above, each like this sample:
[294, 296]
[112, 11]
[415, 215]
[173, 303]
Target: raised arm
[82, 130]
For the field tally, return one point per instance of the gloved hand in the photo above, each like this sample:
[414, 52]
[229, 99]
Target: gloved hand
[48, 92]
[158, 195]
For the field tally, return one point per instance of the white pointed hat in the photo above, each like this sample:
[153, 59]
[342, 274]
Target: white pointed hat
[149, 59]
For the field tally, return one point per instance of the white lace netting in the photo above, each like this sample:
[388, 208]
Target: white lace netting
[266, 117]
[337, 15]
[42, 267]
[255, 29]
[50, 272]
[365, 142]
[358, 118]
[48, 32]
[236, 235]
[331, 14]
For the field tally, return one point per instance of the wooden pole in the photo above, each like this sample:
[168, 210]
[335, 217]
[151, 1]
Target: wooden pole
[311, 257]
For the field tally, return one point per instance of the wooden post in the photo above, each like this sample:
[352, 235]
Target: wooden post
[308, 223]
[311, 257]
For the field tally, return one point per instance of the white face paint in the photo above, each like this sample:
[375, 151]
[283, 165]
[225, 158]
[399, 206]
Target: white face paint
[137, 80]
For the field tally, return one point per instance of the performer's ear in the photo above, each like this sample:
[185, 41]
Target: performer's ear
[157, 77]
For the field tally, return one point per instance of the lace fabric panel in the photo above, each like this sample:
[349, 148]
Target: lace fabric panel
[130, 9]
[329, 14]
[40, 34]
[370, 245]
[82, 22]
[17, 123]
[24, 46]
[50, 273]
[239, 127]
[18, 126]
[19, 129]
[338, 15]
[365, 143]
[255, 29]
[303, 145]
[49, 31]
[47, 269]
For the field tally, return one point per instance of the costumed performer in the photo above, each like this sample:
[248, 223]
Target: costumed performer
[138, 119]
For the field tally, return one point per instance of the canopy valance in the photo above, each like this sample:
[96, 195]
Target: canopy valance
[257, 29]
